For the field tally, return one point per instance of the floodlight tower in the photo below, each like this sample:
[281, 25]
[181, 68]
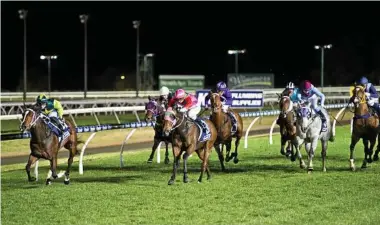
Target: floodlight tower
[83, 19]
[236, 53]
[136, 25]
[49, 58]
[22, 14]
[322, 47]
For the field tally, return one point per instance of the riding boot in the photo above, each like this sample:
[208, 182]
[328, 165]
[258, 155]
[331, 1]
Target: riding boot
[376, 106]
[324, 122]
[58, 123]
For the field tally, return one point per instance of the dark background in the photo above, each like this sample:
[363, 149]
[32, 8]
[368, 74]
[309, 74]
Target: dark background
[191, 38]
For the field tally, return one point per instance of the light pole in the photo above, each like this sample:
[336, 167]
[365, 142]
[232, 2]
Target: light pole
[23, 13]
[322, 47]
[83, 19]
[136, 25]
[49, 58]
[236, 53]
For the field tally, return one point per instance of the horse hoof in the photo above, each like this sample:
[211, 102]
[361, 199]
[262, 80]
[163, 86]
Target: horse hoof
[369, 161]
[48, 182]
[150, 161]
[236, 160]
[324, 170]
[282, 152]
[171, 182]
[32, 179]
[288, 154]
[376, 158]
[364, 166]
[209, 178]
[199, 181]
[186, 180]
[66, 182]
[302, 166]
[293, 158]
[228, 159]
[55, 176]
[167, 161]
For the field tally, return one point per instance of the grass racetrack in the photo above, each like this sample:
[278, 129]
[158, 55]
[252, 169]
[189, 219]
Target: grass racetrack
[263, 188]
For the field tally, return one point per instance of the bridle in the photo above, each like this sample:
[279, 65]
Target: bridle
[290, 107]
[216, 107]
[35, 118]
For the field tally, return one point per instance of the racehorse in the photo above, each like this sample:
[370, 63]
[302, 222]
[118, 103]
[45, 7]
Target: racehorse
[308, 131]
[223, 123]
[155, 112]
[45, 144]
[365, 126]
[188, 137]
[287, 127]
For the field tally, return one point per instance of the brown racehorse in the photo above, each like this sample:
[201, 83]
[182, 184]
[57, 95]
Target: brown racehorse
[287, 127]
[365, 126]
[185, 139]
[44, 144]
[154, 112]
[223, 124]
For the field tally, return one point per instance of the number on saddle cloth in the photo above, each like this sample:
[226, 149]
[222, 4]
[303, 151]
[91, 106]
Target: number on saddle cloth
[204, 130]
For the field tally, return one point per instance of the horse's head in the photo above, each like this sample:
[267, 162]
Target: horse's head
[170, 120]
[30, 117]
[358, 96]
[303, 116]
[152, 110]
[286, 105]
[216, 103]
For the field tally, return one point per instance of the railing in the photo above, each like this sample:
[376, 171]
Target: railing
[132, 94]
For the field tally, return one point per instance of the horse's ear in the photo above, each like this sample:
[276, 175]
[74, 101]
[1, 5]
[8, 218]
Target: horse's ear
[149, 98]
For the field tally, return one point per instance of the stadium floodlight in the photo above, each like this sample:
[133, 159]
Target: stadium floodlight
[49, 58]
[322, 47]
[236, 53]
[22, 14]
[136, 25]
[83, 19]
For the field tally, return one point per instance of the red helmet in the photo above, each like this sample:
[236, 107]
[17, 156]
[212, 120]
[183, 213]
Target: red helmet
[306, 86]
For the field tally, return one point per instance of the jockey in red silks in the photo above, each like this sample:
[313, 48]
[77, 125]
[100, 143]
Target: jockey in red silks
[188, 102]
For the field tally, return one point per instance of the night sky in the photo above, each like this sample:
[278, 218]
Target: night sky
[186, 37]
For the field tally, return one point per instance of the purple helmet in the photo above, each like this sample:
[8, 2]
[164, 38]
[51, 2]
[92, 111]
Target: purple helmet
[221, 86]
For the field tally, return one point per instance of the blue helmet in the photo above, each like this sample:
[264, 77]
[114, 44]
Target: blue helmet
[221, 86]
[363, 81]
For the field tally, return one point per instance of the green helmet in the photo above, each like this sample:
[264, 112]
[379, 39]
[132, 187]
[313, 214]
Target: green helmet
[41, 98]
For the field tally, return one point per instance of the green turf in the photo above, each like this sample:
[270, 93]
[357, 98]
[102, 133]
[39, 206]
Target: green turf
[263, 188]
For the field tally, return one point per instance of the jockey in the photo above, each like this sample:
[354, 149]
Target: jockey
[165, 96]
[226, 96]
[371, 94]
[188, 102]
[310, 93]
[53, 109]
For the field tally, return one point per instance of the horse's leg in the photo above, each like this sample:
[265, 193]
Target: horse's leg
[228, 149]
[177, 158]
[283, 142]
[289, 149]
[237, 142]
[185, 177]
[324, 144]
[313, 146]
[154, 147]
[69, 163]
[309, 156]
[167, 161]
[297, 144]
[376, 156]
[372, 143]
[204, 166]
[354, 140]
[220, 156]
[32, 159]
[365, 143]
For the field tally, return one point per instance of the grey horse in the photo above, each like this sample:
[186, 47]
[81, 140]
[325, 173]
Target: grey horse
[308, 128]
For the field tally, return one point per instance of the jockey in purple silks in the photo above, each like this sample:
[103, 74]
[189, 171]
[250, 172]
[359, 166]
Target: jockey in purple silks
[226, 96]
[371, 94]
[310, 93]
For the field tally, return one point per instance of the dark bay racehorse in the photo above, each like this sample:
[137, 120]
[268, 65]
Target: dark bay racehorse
[155, 112]
[365, 126]
[185, 139]
[223, 125]
[45, 144]
[287, 125]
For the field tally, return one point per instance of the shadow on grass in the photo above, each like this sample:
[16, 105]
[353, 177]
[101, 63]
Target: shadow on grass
[104, 179]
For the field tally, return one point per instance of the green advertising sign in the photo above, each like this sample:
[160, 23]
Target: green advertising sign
[187, 82]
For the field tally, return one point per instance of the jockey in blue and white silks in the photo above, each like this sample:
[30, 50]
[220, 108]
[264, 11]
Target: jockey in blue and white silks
[310, 93]
[371, 94]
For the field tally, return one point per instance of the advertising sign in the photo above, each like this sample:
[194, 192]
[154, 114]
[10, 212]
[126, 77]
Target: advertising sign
[250, 80]
[240, 98]
[187, 82]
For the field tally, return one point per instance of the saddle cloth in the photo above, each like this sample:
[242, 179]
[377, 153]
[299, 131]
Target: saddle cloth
[204, 130]
[61, 134]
